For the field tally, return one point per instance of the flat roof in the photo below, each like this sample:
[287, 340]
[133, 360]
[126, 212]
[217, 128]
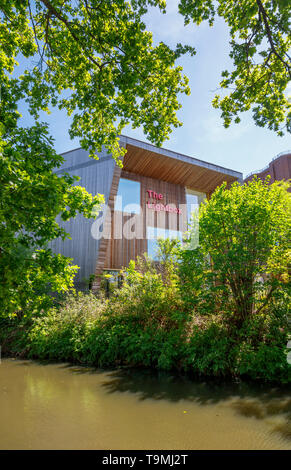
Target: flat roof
[160, 163]
[157, 162]
[178, 156]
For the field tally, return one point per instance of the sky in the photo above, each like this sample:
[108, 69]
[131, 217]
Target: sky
[244, 147]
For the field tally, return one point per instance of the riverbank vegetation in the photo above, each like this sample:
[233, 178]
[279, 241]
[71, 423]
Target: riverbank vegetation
[218, 309]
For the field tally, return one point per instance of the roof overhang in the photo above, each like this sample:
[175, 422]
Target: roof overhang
[148, 160]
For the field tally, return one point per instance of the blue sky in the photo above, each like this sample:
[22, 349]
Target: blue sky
[243, 147]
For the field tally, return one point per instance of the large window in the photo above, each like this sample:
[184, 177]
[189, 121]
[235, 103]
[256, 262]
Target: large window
[193, 199]
[154, 233]
[128, 196]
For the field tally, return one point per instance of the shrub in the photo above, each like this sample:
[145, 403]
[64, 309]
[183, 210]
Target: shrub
[59, 333]
[209, 351]
[184, 311]
[243, 258]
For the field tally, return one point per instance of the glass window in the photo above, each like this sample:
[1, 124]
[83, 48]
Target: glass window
[154, 233]
[193, 199]
[128, 196]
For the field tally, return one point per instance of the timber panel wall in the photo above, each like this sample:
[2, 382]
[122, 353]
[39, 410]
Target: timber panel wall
[278, 169]
[156, 169]
[121, 251]
[96, 176]
[104, 245]
[204, 178]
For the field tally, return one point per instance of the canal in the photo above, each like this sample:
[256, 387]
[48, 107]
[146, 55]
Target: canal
[60, 406]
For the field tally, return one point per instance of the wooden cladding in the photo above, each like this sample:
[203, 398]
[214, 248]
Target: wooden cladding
[160, 170]
[131, 228]
[105, 242]
[155, 165]
[166, 175]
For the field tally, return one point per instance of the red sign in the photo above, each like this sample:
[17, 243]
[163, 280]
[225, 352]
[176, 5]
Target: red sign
[159, 206]
[154, 195]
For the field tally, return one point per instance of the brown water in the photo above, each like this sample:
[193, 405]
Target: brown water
[58, 406]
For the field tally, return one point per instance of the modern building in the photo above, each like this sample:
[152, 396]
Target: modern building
[150, 196]
[279, 168]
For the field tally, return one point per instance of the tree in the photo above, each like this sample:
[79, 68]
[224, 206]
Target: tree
[95, 59]
[243, 260]
[260, 43]
[31, 196]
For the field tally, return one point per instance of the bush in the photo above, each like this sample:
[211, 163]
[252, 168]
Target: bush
[209, 351]
[260, 351]
[142, 324]
[86, 330]
[59, 333]
[243, 258]
[181, 313]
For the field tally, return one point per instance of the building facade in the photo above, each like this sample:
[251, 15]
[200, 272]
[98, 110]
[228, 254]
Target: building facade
[150, 197]
[278, 169]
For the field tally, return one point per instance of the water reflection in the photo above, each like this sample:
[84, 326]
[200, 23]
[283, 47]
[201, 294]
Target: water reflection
[250, 400]
[63, 406]
[164, 386]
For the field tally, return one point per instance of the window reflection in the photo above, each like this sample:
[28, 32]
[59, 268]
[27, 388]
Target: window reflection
[128, 196]
[193, 199]
[154, 233]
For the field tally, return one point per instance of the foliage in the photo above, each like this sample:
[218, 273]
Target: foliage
[243, 259]
[259, 351]
[142, 324]
[260, 43]
[209, 350]
[60, 333]
[86, 330]
[96, 60]
[31, 196]
[147, 323]
[150, 287]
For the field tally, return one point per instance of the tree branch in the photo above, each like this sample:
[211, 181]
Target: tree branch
[266, 300]
[57, 14]
[269, 35]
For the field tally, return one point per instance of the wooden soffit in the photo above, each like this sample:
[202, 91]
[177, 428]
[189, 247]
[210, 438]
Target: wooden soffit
[162, 164]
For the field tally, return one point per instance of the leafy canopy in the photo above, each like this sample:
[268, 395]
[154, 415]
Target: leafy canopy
[31, 196]
[96, 60]
[260, 43]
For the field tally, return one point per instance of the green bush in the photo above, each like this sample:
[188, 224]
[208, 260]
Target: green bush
[59, 334]
[142, 324]
[187, 311]
[260, 350]
[86, 330]
[209, 351]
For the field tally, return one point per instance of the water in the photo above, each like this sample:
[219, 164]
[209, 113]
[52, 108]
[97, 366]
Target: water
[57, 406]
